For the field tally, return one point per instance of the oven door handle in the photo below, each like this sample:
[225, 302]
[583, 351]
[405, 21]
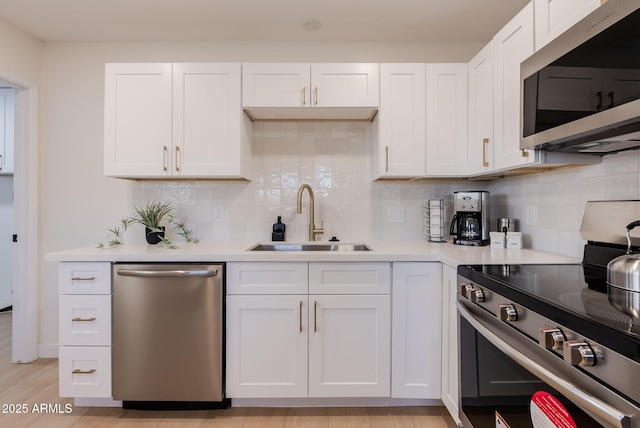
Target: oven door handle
[612, 416]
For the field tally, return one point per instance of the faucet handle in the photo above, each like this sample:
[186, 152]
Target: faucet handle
[321, 230]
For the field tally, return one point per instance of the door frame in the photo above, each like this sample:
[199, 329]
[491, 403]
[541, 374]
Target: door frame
[26, 257]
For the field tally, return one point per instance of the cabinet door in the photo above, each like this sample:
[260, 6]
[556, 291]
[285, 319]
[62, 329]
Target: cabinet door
[553, 17]
[349, 278]
[85, 320]
[276, 85]
[450, 357]
[416, 346]
[266, 346]
[84, 371]
[349, 346]
[402, 140]
[481, 141]
[446, 119]
[267, 278]
[206, 120]
[512, 45]
[7, 129]
[138, 119]
[345, 85]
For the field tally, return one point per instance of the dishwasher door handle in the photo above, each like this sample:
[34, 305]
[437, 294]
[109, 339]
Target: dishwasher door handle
[201, 273]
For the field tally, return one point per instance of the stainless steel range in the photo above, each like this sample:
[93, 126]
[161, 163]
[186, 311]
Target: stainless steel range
[543, 345]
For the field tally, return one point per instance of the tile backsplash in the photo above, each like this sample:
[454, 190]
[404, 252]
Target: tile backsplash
[335, 158]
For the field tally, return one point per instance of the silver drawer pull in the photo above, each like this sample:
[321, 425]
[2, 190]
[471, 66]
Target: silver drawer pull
[84, 319]
[80, 278]
[78, 371]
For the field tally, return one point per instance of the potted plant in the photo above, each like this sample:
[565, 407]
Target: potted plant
[150, 216]
[154, 216]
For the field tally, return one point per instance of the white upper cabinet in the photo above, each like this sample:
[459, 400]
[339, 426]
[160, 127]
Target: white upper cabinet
[174, 121]
[446, 120]
[553, 17]
[316, 91]
[402, 117]
[7, 129]
[481, 141]
[512, 45]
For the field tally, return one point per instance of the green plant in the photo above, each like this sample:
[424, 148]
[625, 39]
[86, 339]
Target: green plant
[151, 216]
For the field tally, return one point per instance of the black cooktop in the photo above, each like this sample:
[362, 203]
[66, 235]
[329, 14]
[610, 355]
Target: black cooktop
[573, 295]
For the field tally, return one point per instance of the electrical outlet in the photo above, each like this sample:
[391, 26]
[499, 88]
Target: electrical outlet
[218, 214]
[395, 215]
[530, 215]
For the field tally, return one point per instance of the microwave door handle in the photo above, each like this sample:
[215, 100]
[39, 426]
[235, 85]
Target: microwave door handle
[605, 412]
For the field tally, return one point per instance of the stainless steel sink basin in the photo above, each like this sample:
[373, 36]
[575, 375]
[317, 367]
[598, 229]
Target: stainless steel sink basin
[310, 247]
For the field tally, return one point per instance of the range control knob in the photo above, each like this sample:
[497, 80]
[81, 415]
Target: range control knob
[551, 338]
[465, 289]
[477, 295]
[507, 312]
[579, 353]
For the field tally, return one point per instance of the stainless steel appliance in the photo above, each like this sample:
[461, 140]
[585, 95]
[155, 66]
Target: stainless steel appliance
[470, 224]
[168, 329]
[581, 92]
[542, 344]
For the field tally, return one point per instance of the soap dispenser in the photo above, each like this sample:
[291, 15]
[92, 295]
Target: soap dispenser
[278, 230]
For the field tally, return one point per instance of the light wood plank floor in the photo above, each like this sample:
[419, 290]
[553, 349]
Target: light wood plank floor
[34, 384]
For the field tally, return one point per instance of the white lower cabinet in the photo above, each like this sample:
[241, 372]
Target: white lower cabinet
[301, 345]
[349, 346]
[450, 375]
[417, 313]
[267, 346]
[84, 366]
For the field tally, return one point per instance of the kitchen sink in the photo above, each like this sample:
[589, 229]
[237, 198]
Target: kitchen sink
[310, 247]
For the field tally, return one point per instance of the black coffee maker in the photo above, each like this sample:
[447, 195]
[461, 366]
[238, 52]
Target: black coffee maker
[470, 224]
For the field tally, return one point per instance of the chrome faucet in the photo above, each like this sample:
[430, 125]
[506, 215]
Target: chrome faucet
[312, 227]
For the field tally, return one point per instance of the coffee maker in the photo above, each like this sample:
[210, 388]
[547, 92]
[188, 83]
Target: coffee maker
[470, 224]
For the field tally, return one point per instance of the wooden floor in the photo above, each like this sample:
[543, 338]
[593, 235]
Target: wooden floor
[25, 388]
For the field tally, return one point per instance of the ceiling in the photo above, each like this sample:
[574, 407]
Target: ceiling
[260, 20]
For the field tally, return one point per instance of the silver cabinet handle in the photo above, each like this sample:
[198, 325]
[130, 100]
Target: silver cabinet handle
[611, 415]
[315, 316]
[304, 95]
[485, 143]
[78, 371]
[386, 161]
[316, 95]
[177, 155]
[80, 278]
[164, 158]
[205, 273]
[300, 316]
[78, 319]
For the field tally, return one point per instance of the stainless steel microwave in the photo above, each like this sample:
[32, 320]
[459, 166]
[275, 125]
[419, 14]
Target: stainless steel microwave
[581, 92]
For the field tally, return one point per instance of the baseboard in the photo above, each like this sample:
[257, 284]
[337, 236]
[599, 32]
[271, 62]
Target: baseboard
[332, 402]
[96, 402]
[48, 350]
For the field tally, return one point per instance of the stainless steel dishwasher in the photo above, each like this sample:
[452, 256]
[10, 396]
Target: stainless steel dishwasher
[168, 335]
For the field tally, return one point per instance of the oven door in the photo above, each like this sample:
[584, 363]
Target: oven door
[508, 380]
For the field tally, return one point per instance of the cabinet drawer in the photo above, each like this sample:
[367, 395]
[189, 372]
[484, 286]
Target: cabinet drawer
[85, 320]
[85, 371]
[84, 278]
[267, 278]
[349, 278]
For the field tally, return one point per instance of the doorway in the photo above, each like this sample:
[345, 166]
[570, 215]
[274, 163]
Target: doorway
[25, 258]
[7, 123]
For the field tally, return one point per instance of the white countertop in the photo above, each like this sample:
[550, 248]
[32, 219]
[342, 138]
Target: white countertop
[389, 251]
